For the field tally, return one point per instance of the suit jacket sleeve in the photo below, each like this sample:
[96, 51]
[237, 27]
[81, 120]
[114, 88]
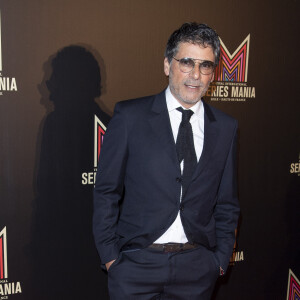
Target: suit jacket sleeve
[109, 187]
[226, 211]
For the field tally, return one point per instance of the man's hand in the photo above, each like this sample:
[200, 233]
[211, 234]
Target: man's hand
[107, 265]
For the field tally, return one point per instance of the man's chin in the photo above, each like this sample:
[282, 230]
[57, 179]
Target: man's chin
[191, 101]
[187, 99]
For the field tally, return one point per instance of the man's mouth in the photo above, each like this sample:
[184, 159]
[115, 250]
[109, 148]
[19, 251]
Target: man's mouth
[192, 86]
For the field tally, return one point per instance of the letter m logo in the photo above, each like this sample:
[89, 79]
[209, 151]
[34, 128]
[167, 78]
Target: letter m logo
[3, 254]
[99, 131]
[233, 67]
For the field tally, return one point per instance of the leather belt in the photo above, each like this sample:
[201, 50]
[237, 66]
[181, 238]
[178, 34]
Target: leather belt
[173, 247]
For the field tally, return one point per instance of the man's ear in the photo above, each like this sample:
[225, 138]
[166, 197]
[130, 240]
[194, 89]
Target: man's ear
[212, 77]
[166, 66]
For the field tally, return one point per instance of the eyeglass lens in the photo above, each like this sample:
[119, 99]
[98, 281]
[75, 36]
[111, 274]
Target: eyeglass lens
[187, 65]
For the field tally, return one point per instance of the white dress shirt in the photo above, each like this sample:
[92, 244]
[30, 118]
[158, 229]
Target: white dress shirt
[175, 233]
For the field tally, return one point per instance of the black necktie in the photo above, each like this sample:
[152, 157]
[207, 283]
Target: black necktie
[185, 148]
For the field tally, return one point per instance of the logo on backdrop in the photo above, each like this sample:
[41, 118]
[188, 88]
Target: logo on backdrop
[231, 75]
[7, 84]
[6, 288]
[99, 131]
[293, 289]
[295, 167]
[236, 256]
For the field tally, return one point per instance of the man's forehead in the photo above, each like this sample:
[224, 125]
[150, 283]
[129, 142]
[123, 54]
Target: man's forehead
[186, 48]
[183, 45]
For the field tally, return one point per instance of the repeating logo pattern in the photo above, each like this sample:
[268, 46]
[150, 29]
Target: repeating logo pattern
[0, 46]
[231, 75]
[6, 288]
[293, 290]
[295, 167]
[99, 131]
[236, 256]
[233, 67]
[3, 254]
[6, 83]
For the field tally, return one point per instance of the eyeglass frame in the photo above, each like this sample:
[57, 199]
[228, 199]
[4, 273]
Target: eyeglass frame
[194, 61]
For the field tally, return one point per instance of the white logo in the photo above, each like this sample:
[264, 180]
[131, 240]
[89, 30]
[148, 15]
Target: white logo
[99, 131]
[0, 46]
[295, 167]
[3, 254]
[6, 83]
[6, 287]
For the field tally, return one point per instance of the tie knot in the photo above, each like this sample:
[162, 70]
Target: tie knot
[186, 114]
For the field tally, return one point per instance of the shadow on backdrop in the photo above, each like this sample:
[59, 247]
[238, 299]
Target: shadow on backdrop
[64, 258]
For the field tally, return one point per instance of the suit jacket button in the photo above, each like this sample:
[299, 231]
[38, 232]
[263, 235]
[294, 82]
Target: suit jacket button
[181, 207]
[178, 179]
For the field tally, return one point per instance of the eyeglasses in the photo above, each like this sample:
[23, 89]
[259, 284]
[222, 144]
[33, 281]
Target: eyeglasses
[187, 64]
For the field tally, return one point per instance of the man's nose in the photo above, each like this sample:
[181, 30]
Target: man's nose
[195, 73]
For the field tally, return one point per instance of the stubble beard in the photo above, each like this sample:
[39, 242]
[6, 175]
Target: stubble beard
[180, 97]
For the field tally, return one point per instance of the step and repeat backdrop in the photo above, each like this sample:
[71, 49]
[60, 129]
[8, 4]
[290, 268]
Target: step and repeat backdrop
[63, 66]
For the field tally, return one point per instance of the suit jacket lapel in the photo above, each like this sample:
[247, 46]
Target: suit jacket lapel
[160, 122]
[211, 133]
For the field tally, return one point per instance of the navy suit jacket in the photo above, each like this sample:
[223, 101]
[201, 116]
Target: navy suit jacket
[137, 191]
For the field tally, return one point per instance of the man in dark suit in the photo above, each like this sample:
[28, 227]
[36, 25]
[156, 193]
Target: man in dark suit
[165, 200]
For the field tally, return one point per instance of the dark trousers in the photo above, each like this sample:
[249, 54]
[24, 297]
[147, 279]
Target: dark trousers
[153, 274]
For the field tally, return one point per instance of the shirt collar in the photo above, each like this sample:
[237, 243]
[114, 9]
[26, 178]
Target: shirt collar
[172, 104]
